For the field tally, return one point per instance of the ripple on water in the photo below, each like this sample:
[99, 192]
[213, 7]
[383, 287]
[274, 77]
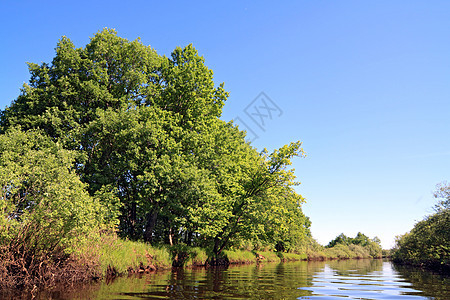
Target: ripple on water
[352, 279]
[386, 284]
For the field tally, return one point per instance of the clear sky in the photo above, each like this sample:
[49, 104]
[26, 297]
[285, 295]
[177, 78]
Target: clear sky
[364, 85]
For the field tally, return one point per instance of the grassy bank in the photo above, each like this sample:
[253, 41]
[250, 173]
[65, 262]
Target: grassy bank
[124, 256]
[121, 256]
[107, 255]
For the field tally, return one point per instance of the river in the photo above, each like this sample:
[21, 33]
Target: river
[350, 279]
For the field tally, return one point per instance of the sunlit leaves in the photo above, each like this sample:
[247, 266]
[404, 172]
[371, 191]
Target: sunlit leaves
[148, 139]
[40, 190]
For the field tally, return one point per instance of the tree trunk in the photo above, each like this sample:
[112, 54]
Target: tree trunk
[150, 226]
[132, 229]
[170, 236]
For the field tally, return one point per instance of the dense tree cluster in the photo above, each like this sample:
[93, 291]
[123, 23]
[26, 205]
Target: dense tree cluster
[428, 243]
[116, 133]
[360, 243]
[359, 239]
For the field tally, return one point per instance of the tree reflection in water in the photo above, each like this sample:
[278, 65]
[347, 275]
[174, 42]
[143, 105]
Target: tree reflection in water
[432, 284]
[353, 279]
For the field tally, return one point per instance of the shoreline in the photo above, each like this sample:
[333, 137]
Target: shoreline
[111, 257]
[140, 272]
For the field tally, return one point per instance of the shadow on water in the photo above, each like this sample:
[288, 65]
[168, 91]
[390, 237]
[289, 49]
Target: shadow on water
[352, 279]
[431, 284]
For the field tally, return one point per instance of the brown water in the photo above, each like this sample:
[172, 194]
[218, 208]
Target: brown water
[352, 279]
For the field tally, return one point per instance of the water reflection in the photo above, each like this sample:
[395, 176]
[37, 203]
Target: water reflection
[432, 285]
[360, 266]
[352, 279]
[365, 279]
[235, 282]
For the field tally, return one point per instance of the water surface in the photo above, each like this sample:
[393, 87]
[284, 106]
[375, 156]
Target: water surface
[351, 279]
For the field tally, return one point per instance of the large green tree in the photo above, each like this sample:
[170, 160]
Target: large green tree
[146, 130]
[140, 153]
[110, 72]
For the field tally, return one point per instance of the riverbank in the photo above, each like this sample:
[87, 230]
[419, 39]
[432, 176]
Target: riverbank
[108, 256]
[117, 256]
[124, 256]
[239, 279]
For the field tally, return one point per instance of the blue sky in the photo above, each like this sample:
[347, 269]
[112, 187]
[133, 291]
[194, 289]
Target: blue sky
[364, 85]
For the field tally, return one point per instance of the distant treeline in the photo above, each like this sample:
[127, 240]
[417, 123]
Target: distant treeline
[343, 247]
[428, 243]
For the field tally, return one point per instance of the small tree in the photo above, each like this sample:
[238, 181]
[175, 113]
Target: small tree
[442, 193]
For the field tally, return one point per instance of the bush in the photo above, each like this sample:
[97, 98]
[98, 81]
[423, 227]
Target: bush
[359, 251]
[45, 209]
[44, 204]
[427, 244]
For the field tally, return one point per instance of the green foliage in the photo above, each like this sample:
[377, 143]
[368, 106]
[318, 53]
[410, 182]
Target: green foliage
[187, 87]
[428, 243]
[340, 239]
[143, 134]
[121, 254]
[178, 184]
[110, 72]
[442, 193]
[359, 239]
[44, 206]
[360, 246]
[340, 251]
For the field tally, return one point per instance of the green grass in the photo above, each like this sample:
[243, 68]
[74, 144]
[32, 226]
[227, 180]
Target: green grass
[121, 254]
[269, 256]
[244, 256]
[197, 257]
[293, 256]
[240, 256]
[111, 251]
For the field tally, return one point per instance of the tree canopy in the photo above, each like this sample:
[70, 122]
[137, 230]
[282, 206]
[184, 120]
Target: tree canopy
[442, 193]
[371, 245]
[145, 137]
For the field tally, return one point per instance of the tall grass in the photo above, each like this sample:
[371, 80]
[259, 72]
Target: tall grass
[292, 256]
[111, 251]
[269, 256]
[240, 256]
[197, 257]
[244, 256]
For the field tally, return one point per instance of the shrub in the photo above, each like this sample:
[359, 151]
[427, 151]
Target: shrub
[428, 243]
[44, 207]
